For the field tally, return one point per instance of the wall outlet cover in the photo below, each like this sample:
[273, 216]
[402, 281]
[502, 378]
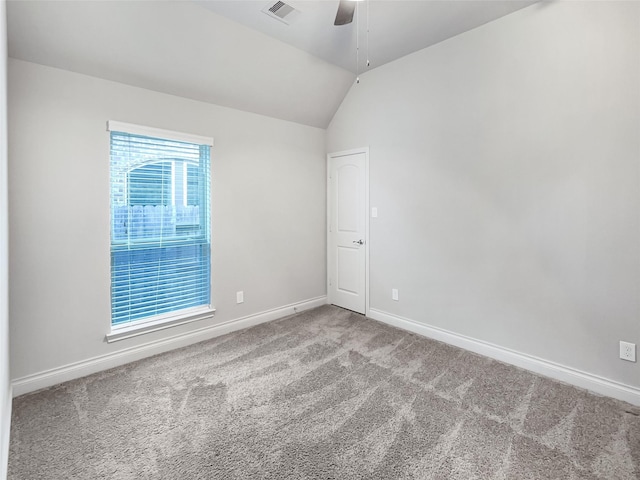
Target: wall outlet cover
[628, 351]
[239, 297]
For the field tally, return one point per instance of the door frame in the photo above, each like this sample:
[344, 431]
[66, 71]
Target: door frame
[367, 212]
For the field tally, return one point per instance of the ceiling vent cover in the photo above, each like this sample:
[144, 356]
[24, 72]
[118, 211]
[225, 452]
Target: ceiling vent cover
[281, 11]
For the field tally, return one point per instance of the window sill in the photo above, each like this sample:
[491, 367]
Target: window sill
[128, 331]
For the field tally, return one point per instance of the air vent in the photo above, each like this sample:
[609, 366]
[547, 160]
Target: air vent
[281, 11]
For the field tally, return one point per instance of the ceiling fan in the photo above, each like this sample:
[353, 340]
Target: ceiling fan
[345, 12]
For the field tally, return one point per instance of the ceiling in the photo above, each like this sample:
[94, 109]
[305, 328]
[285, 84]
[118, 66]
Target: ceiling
[396, 27]
[229, 53]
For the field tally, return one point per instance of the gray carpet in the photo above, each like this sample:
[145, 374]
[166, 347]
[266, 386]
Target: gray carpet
[325, 394]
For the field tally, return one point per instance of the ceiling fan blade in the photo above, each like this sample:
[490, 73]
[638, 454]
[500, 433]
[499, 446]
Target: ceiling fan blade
[345, 12]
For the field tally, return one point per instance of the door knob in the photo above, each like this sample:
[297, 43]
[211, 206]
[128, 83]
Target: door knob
[359, 242]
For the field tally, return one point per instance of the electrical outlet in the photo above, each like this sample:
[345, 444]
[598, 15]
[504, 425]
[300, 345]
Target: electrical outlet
[239, 297]
[374, 212]
[394, 294]
[628, 351]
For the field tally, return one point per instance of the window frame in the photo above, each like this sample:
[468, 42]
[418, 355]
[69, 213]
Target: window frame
[171, 319]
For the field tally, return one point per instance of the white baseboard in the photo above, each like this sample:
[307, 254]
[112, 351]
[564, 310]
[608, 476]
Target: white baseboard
[5, 434]
[31, 383]
[588, 381]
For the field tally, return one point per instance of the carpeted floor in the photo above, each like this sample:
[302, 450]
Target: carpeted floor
[325, 394]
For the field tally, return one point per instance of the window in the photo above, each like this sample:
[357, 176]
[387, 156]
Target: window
[160, 226]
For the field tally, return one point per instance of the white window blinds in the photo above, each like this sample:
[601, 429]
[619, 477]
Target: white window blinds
[160, 225]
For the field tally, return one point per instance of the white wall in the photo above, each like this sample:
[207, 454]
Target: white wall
[505, 169]
[268, 210]
[5, 384]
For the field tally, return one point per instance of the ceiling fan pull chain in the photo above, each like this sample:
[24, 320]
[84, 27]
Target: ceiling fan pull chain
[368, 63]
[357, 42]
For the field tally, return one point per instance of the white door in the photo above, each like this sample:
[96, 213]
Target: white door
[347, 242]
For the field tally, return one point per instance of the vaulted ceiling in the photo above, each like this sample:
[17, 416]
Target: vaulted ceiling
[395, 27]
[230, 53]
